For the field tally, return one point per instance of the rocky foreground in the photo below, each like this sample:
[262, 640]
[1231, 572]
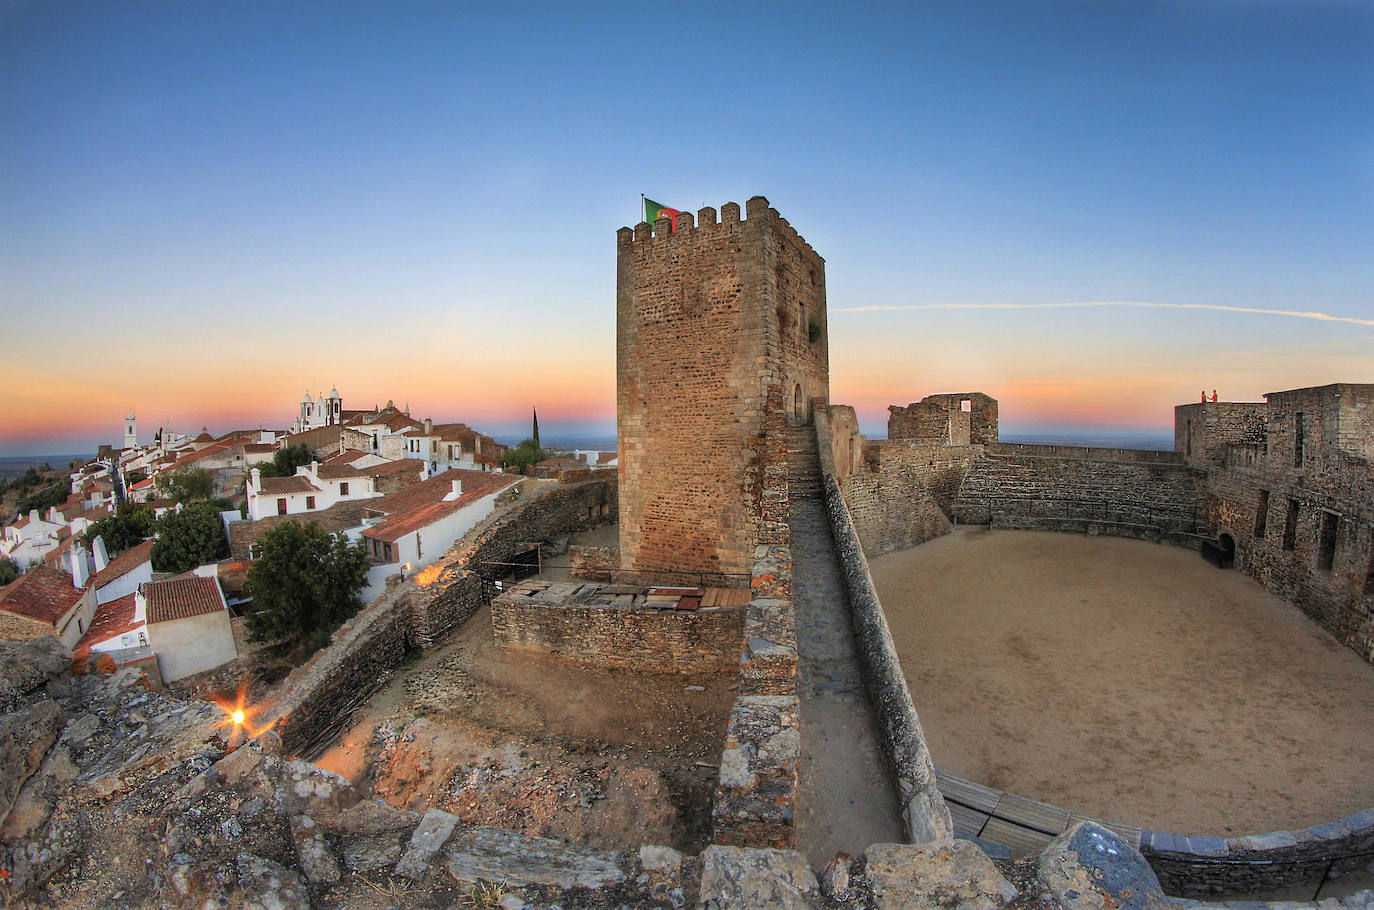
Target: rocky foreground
[113, 793]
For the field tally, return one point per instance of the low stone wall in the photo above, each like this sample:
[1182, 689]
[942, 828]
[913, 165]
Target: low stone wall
[456, 582]
[324, 690]
[1214, 866]
[705, 640]
[593, 563]
[923, 811]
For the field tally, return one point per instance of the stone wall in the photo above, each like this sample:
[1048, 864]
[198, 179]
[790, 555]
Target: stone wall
[593, 563]
[1203, 431]
[754, 804]
[455, 584]
[902, 493]
[708, 317]
[323, 691]
[706, 640]
[1276, 520]
[942, 420]
[341, 516]
[1154, 499]
[924, 814]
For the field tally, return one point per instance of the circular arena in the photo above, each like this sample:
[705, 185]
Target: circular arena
[1127, 681]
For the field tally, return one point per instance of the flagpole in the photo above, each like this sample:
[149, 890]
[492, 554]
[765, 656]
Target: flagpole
[643, 207]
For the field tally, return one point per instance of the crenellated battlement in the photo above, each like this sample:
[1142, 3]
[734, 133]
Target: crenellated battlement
[756, 211]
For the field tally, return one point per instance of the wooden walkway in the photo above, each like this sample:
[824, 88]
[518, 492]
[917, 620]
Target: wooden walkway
[1023, 826]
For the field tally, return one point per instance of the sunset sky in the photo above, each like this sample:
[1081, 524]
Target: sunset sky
[208, 208]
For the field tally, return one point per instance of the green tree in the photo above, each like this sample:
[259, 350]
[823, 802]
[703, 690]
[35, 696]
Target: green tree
[536, 427]
[523, 457]
[186, 485]
[189, 538]
[304, 585]
[132, 525]
[48, 496]
[285, 461]
[8, 570]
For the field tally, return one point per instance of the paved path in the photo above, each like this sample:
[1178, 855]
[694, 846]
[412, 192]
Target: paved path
[847, 797]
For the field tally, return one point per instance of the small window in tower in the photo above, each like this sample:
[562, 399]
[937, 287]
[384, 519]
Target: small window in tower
[966, 405]
[1326, 545]
[1298, 440]
[1290, 526]
[1262, 513]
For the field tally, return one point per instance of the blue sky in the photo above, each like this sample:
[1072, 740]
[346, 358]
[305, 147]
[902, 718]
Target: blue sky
[206, 208]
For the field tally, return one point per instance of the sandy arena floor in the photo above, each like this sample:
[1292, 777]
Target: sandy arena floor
[1129, 681]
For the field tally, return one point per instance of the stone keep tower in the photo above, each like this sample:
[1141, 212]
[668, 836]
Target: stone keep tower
[721, 330]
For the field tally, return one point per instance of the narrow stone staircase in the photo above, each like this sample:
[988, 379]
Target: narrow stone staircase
[803, 463]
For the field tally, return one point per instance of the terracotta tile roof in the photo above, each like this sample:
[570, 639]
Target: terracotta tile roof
[400, 466]
[142, 484]
[181, 598]
[603, 457]
[341, 472]
[258, 448]
[42, 593]
[345, 456]
[123, 564]
[282, 486]
[204, 436]
[484, 458]
[111, 620]
[423, 503]
[395, 422]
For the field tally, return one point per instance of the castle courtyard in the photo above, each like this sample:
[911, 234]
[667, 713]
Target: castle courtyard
[1128, 681]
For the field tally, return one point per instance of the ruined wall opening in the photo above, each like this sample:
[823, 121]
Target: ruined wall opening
[1262, 514]
[1369, 570]
[1326, 544]
[1290, 526]
[798, 406]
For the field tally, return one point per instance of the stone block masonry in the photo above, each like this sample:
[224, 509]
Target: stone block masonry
[593, 563]
[1157, 499]
[554, 620]
[363, 652]
[708, 318]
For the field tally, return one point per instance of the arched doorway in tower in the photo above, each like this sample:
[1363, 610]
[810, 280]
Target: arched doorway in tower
[798, 407]
[1228, 551]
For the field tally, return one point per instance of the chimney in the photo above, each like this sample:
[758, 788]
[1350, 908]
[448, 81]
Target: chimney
[102, 557]
[429, 426]
[78, 558]
[255, 479]
[315, 468]
[457, 488]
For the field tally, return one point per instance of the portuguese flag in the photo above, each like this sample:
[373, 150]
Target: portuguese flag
[656, 210]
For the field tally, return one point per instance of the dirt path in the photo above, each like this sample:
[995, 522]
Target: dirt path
[1128, 680]
[607, 758]
[847, 797]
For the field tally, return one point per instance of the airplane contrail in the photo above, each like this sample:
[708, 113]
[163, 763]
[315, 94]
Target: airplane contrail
[1297, 314]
